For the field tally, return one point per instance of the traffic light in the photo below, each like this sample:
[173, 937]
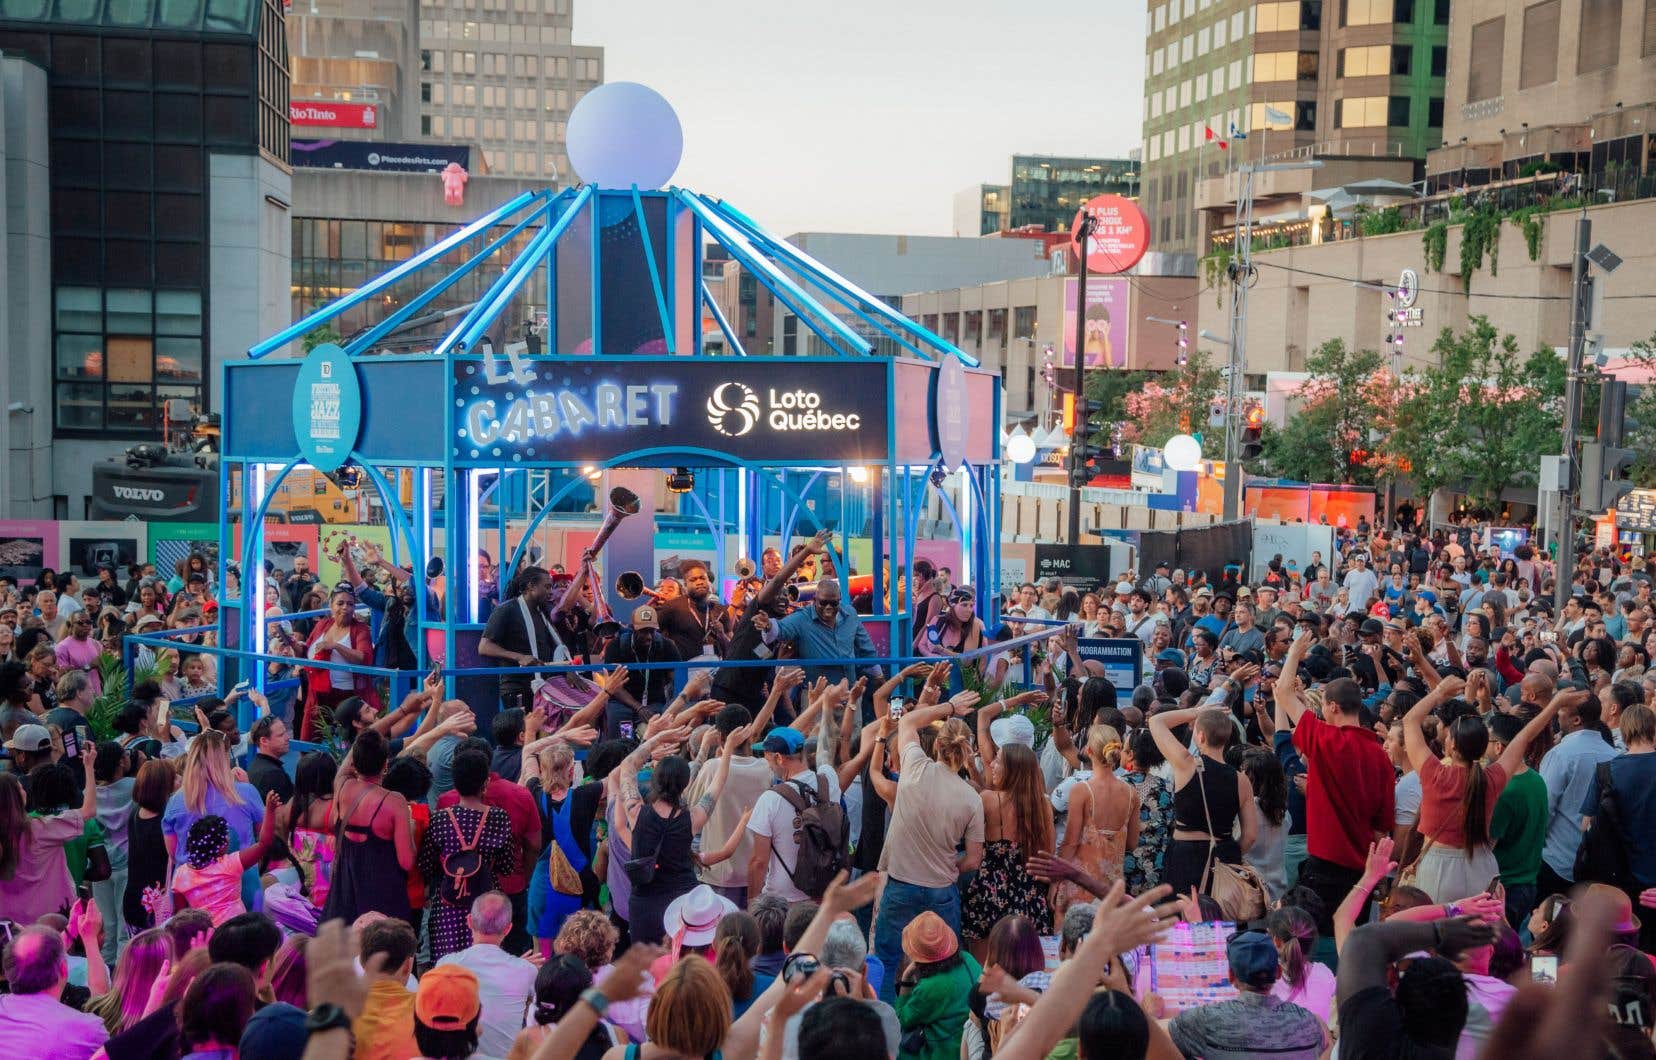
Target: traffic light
[1086, 442]
[1253, 431]
[1605, 464]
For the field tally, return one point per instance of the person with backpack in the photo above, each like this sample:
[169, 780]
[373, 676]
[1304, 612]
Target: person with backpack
[801, 836]
[467, 847]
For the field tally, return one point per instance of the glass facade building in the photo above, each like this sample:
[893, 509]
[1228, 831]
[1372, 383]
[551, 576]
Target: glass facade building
[1047, 191]
[142, 93]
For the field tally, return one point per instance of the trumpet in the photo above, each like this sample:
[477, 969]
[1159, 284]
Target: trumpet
[629, 585]
[802, 593]
[622, 503]
[744, 568]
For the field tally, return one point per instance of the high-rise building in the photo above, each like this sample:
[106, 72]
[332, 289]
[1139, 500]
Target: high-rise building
[1048, 190]
[981, 210]
[1337, 78]
[502, 74]
[147, 191]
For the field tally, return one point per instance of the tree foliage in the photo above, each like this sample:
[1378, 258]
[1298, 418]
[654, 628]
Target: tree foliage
[1178, 402]
[1481, 417]
[1109, 388]
[1345, 410]
[1641, 418]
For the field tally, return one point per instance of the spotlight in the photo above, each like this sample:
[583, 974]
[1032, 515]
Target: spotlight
[859, 475]
[592, 473]
[681, 480]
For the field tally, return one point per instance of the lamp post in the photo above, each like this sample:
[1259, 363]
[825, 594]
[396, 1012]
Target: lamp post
[1242, 278]
[1078, 433]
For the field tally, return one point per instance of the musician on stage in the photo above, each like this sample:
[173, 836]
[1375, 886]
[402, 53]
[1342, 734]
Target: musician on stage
[694, 622]
[518, 634]
[746, 684]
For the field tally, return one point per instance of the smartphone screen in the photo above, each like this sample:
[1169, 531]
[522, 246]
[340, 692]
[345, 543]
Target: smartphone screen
[71, 745]
[1544, 970]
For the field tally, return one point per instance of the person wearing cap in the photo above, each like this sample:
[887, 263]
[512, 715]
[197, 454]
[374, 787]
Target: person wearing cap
[1218, 619]
[933, 991]
[30, 745]
[505, 984]
[775, 854]
[829, 630]
[1254, 1022]
[646, 691]
[1360, 583]
[447, 1012]
[1159, 582]
[957, 628]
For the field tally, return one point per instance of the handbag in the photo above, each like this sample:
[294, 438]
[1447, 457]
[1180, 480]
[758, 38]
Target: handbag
[1602, 856]
[98, 868]
[1239, 889]
[641, 871]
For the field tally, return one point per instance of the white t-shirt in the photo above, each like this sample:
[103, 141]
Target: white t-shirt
[1407, 798]
[1144, 626]
[773, 818]
[505, 988]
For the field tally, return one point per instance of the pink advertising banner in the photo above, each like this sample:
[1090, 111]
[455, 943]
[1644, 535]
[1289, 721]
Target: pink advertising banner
[26, 545]
[1105, 336]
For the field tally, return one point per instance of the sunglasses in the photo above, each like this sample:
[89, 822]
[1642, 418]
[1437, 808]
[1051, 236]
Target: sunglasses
[827, 605]
[960, 598]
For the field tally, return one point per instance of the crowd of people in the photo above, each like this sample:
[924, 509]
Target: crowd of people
[1386, 804]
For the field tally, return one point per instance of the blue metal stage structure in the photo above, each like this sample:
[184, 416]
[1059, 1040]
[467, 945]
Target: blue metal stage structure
[624, 388]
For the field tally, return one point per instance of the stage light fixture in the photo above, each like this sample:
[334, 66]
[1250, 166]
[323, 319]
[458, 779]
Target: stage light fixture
[859, 474]
[681, 480]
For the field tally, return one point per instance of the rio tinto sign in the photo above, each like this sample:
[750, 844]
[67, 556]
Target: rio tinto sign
[322, 112]
[1120, 233]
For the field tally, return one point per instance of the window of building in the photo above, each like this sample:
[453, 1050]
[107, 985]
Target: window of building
[1184, 93]
[1216, 82]
[1440, 13]
[1440, 60]
[1538, 59]
[1219, 34]
[1284, 66]
[1402, 60]
[1434, 112]
[1365, 12]
[1600, 43]
[120, 352]
[1649, 28]
[997, 327]
[1397, 111]
[1187, 48]
[1364, 62]
[1483, 73]
[1161, 18]
[1360, 112]
[1023, 322]
[1235, 74]
[1201, 89]
[1403, 11]
[1156, 63]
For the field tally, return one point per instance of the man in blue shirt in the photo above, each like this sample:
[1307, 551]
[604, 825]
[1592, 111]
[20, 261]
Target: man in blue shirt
[1568, 770]
[826, 630]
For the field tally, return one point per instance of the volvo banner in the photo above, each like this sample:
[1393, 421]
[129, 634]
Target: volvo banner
[760, 410]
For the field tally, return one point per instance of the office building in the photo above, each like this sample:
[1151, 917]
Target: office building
[503, 74]
[891, 266]
[981, 210]
[1047, 190]
[1547, 104]
[1292, 78]
[147, 193]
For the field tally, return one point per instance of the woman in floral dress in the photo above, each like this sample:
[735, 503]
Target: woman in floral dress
[1142, 867]
[1017, 819]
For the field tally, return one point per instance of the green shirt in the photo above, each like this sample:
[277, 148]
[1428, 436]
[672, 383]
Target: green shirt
[937, 1006]
[1519, 827]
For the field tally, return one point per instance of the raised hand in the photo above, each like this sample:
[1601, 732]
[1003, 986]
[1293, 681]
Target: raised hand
[1380, 863]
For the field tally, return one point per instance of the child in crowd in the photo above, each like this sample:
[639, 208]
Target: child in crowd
[210, 877]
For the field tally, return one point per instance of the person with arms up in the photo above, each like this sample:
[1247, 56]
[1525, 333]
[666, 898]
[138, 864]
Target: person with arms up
[1209, 795]
[1425, 1017]
[936, 813]
[748, 640]
[1350, 788]
[1519, 826]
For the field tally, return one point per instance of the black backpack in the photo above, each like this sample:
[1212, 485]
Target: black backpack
[465, 874]
[823, 834]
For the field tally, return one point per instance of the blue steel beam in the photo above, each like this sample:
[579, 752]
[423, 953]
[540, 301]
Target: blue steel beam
[785, 289]
[367, 340]
[387, 279]
[655, 273]
[805, 263]
[724, 325]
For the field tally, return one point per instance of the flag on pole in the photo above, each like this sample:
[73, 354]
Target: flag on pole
[1277, 117]
[1208, 129]
[1223, 146]
[1237, 134]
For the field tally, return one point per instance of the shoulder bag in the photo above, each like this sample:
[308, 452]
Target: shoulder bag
[1238, 889]
[1602, 856]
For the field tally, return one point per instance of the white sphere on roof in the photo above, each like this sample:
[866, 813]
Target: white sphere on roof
[624, 133]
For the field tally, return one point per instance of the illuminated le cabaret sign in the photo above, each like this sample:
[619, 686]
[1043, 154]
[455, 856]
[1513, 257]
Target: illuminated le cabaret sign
[590, 410]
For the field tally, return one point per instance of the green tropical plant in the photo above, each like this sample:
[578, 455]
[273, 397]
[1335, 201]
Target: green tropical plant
[115, 693]
[1371, 222]
[1480, 236]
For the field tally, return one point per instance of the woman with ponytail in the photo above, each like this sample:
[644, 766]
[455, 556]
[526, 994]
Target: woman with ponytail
[1104, 818]
[1303, 981]
[1458, 799]
[735, 945]
[1017, 824]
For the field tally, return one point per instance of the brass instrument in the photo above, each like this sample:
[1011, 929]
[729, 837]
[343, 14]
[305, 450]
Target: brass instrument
[622, 503]
[629, 585]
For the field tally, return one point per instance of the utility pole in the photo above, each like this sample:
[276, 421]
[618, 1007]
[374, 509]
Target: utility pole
[1080, 431]
[1241, 278]
[1572, 412]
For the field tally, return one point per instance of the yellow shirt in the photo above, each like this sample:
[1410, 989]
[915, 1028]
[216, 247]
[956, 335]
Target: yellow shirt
[385, 1030]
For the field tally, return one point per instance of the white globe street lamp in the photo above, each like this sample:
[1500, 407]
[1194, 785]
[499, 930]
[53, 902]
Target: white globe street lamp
[1183, 453]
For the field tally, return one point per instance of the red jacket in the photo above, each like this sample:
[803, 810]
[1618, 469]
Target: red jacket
[318, 681]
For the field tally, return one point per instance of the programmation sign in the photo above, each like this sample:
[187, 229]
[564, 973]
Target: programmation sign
[1121, 657]
[1120, 235]
[327, 112]
[659, 410]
